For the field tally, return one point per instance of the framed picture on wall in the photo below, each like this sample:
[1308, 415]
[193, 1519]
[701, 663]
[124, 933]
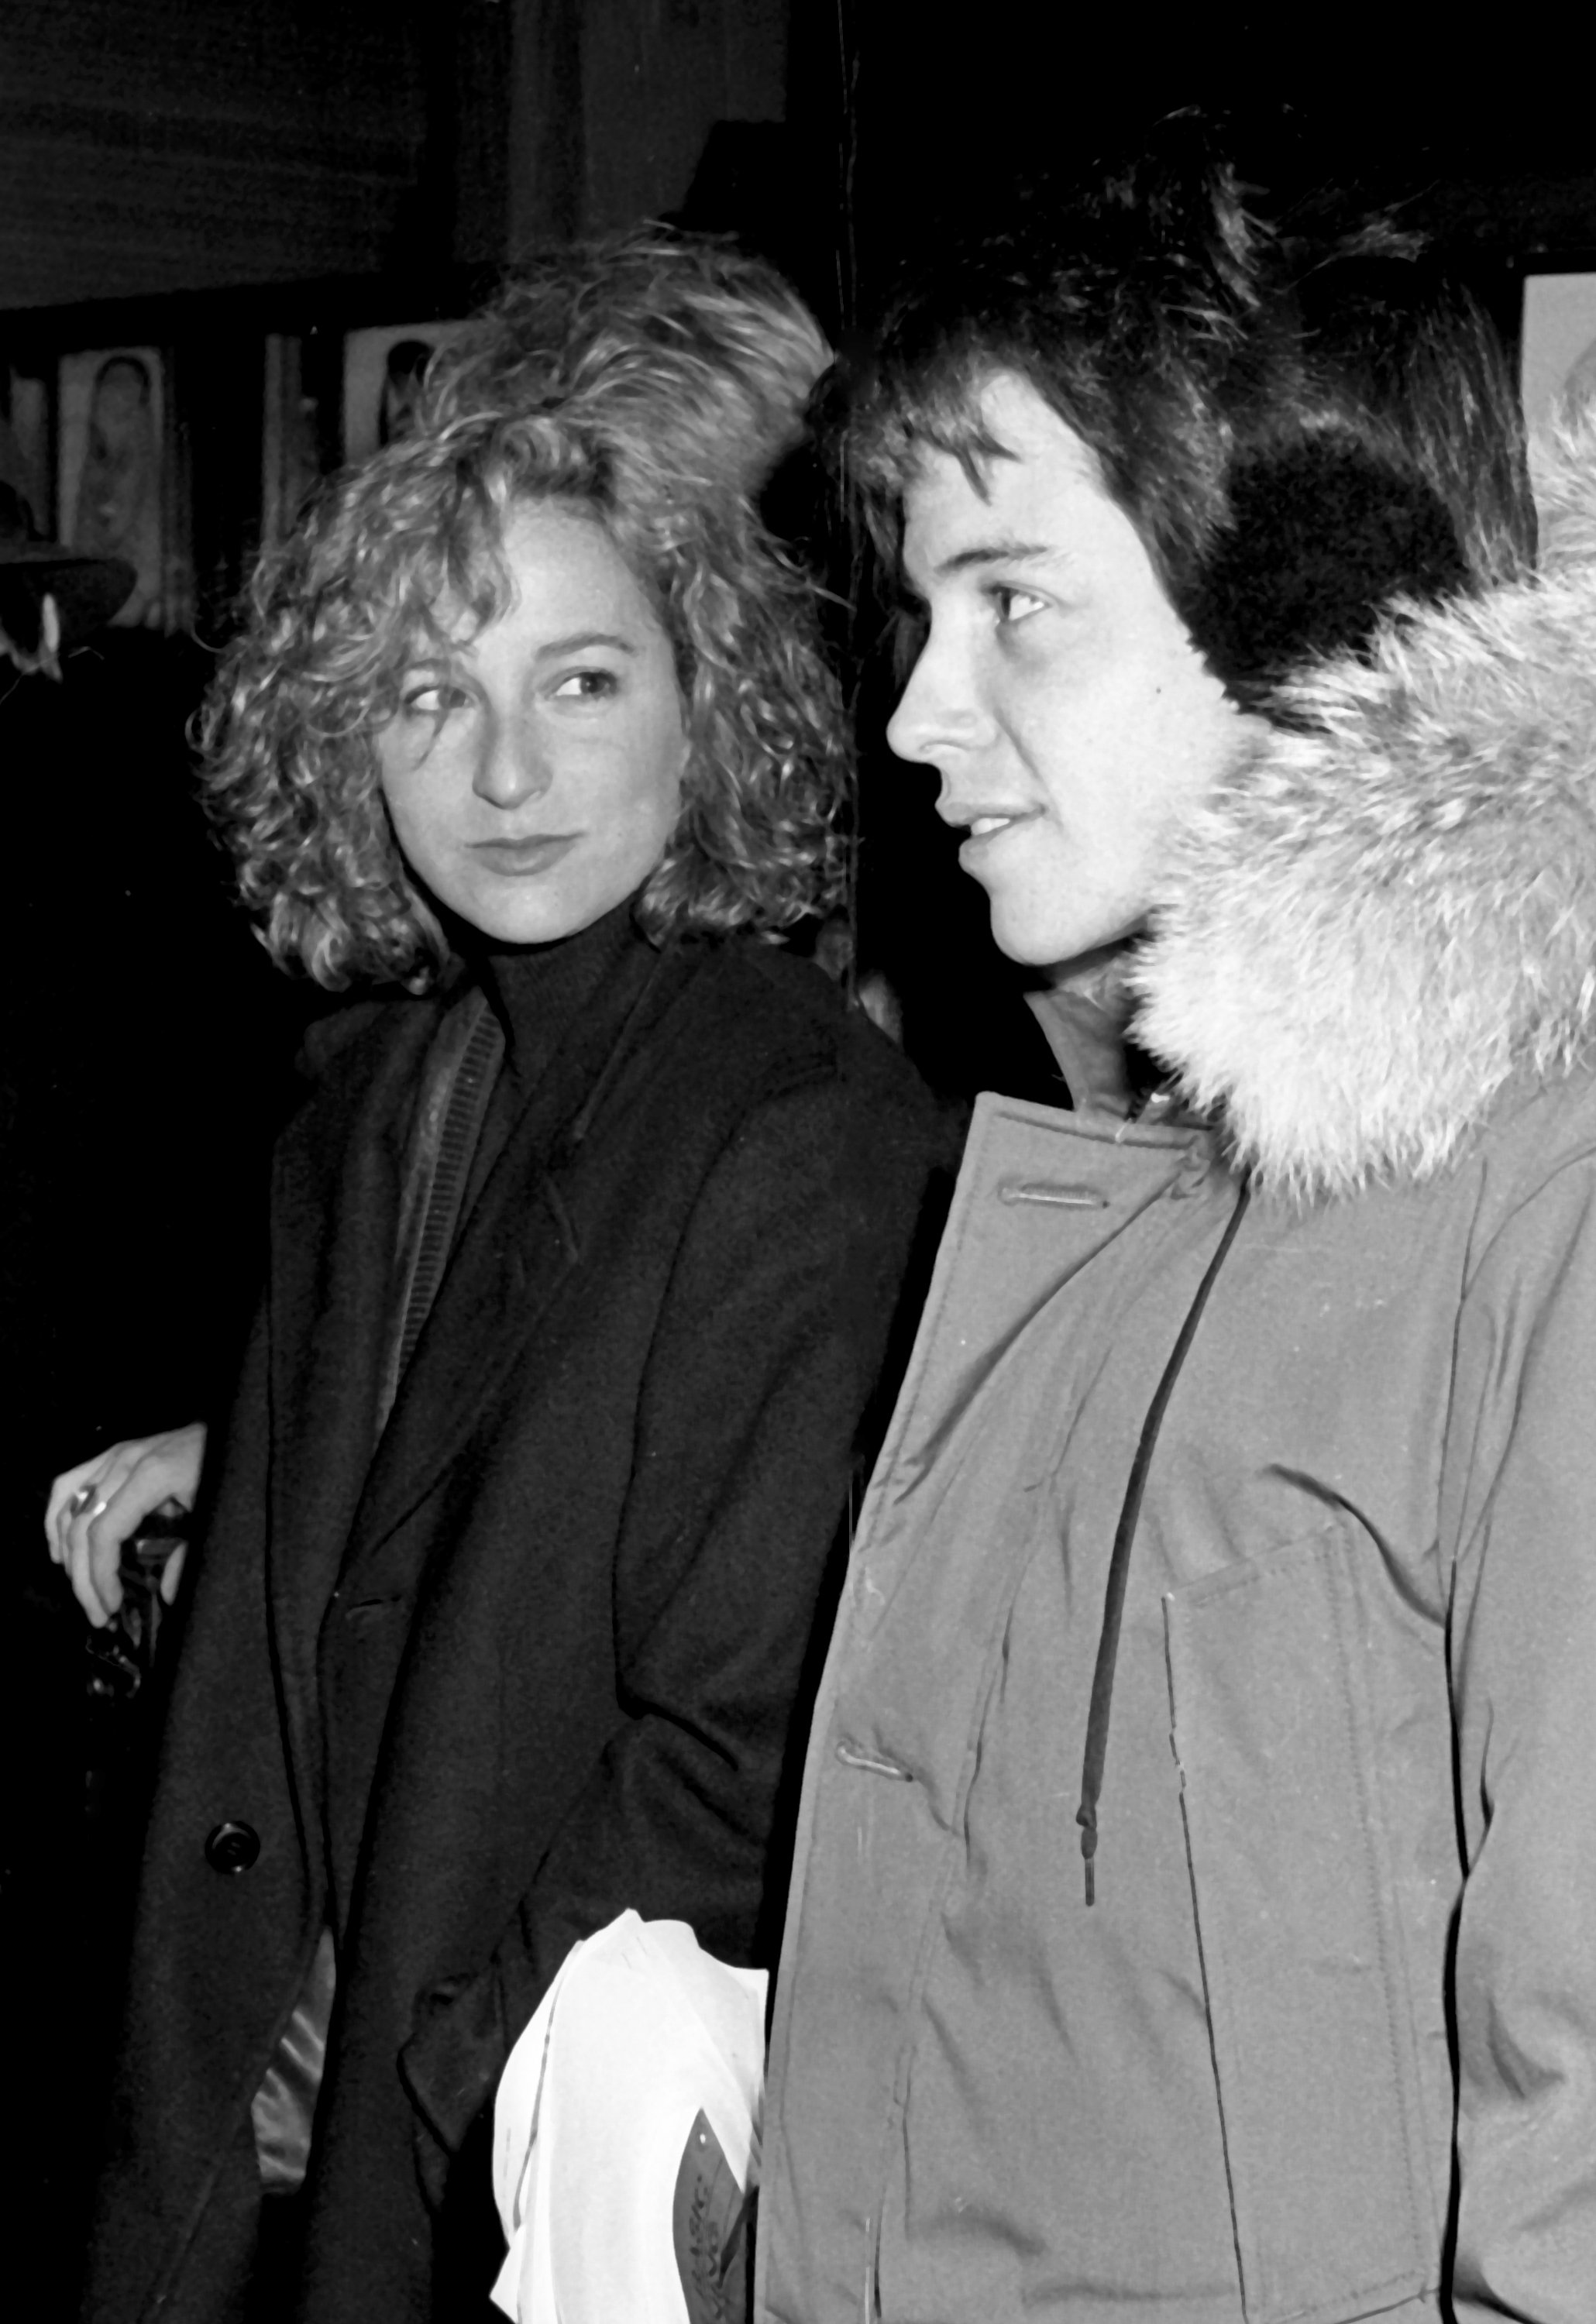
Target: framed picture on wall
[25, 463]
[1557, 344]
[120, 484]
[293, 451]
[382, 370]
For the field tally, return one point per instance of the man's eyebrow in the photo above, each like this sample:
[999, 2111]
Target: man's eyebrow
[1005, 551]
[579, 640]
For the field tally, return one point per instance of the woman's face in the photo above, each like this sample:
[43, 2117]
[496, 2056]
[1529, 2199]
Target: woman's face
[534, 775]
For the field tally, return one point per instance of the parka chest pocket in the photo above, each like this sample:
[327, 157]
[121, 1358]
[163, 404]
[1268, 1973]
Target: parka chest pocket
[1302, 1943]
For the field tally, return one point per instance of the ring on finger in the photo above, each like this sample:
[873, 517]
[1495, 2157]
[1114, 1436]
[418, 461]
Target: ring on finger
[80, 1501]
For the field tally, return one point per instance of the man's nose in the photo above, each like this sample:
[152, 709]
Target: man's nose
[939, 711]
[513, 765]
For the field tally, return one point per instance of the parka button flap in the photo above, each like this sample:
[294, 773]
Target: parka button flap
[1051, 1196]
[871, 1763]
[232, 1847]
[1195, 1166]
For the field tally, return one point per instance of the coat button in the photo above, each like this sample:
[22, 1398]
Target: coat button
[232, 1847]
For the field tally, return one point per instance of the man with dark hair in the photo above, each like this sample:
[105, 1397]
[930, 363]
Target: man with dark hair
[1194, 1890]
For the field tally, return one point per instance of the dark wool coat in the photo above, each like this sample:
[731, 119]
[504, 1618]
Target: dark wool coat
[540, 1660]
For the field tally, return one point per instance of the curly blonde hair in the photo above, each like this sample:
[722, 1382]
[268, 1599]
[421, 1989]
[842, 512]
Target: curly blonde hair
[651, 385]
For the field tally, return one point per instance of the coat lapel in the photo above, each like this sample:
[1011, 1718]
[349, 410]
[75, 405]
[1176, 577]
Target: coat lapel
[515, 1250]
[334, 1213]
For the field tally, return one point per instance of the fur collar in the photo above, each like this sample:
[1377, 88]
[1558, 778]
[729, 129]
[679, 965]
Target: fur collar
[1373, 925]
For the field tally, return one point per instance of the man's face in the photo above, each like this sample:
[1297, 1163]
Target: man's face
[1058, 693]
[534, 777]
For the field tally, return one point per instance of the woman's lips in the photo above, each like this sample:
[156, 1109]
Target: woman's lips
[522, 859]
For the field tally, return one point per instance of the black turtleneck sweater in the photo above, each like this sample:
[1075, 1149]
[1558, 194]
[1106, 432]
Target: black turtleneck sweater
[509, 1010]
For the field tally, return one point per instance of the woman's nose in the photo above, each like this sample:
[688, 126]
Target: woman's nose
[512, 766]
[938, 711]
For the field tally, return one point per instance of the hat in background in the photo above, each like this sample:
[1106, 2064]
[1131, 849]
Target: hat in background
[87, 590]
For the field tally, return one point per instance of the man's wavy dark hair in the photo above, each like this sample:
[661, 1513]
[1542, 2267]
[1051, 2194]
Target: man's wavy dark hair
[649, 383]
[1303, 429]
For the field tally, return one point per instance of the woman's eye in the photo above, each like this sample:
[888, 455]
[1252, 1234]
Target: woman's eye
[587, 686]
[431, 698]
[1014, 604]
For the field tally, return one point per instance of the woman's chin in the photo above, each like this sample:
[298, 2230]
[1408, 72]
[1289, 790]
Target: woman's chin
[515, 912]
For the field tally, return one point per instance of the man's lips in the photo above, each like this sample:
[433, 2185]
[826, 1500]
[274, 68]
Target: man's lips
[984, 823]
[520, 858]
[981, 817]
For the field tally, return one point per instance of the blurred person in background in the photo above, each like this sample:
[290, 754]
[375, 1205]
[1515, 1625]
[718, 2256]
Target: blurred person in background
[145, 1053]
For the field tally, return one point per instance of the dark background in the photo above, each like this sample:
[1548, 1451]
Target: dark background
[197, 176]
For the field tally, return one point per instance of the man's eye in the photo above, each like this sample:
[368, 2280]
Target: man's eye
[587, 686]
[911, 627]
[1013, 605]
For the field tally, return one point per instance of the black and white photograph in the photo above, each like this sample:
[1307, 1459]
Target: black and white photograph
[1558, 368]
[292, 433]
[117, 483]
[798, 1223]
[384, 369]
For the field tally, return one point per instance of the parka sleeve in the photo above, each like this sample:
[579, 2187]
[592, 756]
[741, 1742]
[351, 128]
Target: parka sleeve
[1522, 1668]
[770, 1347]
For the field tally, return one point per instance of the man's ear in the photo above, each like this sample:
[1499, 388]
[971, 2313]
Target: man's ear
[1323, 535]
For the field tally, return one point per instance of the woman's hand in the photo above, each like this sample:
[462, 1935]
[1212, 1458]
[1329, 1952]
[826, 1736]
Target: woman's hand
[98, 1504]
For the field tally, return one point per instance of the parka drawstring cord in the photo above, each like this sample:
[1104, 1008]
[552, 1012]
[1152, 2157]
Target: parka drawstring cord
[1119, 1564]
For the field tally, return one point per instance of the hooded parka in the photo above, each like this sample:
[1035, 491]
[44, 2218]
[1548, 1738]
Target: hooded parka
[1323, 2047]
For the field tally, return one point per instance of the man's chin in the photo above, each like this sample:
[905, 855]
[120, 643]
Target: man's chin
[1060, 945]
[1049, 945]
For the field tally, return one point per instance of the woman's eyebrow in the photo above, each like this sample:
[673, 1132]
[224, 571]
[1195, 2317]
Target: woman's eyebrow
[580, 639]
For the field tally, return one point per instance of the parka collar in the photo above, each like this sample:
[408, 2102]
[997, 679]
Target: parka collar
[1381, 919]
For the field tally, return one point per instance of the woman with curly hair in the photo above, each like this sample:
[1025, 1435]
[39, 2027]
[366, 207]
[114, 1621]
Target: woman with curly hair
[586, 1245]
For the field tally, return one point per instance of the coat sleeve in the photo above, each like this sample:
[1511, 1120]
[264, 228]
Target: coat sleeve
[1523, 1650]
[764, 1370]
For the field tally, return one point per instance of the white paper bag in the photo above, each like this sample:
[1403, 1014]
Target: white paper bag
[639, 2031]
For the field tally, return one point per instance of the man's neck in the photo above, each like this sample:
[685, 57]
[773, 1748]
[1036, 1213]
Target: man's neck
[1083, 1009]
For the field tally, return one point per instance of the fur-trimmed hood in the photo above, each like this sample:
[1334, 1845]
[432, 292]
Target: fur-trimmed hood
[1375, 923]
